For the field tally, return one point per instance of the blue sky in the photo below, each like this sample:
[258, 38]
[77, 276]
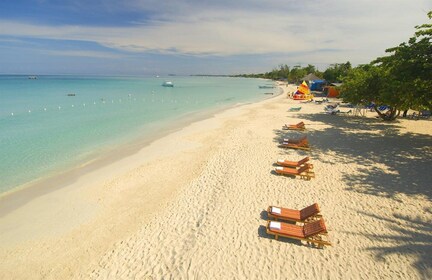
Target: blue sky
[140, 37]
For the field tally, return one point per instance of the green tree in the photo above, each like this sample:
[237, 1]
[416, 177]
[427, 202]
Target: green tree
[310, 69]
[401, 80]
[335, 72]
[297, 73]
[410, 66]
[371, 84]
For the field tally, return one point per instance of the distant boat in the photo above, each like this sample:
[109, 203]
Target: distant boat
[266, 86]
[71, 94]
[32, 77]
[168, 84]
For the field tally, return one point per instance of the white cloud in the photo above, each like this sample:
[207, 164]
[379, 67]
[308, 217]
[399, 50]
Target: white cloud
[357, 30]
[79, 53]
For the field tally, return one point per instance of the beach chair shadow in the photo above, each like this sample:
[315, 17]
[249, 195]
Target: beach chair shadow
[264, 215]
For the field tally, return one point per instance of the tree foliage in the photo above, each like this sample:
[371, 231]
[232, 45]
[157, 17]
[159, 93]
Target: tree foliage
[401, 80]
[336, 72]
[283, 72]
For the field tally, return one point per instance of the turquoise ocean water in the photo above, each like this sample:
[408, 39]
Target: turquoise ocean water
[52, 123]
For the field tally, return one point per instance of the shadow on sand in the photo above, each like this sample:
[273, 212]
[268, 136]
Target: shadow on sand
[407, 157]
[411, 236]
[406, 160]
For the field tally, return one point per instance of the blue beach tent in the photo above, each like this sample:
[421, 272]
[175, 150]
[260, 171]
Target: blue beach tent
[317, 85]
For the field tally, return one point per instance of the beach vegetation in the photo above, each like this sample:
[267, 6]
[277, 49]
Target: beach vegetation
[336, 72]
[284, 72]
[401, 80]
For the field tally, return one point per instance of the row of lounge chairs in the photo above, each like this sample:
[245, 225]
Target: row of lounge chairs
[308, 224]
[311, 229]
[301, 168]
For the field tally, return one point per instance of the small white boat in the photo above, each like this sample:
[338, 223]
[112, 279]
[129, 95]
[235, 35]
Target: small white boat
[168, 84]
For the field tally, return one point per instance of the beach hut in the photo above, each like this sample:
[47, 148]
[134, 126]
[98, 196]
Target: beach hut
[315, 83]
[332, 90]
[303, 92]
[310, 77]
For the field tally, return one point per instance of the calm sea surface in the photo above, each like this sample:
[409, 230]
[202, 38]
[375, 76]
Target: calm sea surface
[52, 123]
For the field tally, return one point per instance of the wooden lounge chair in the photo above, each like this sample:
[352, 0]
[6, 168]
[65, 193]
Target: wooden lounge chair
[299, 126]
[295, 141]
[305, 215]
[294, 164]
[313, 232]
[303, 172]
[302, 145]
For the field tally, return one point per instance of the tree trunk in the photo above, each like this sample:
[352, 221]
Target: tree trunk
[390, 115]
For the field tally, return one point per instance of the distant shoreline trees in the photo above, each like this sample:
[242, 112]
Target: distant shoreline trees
[402, 80]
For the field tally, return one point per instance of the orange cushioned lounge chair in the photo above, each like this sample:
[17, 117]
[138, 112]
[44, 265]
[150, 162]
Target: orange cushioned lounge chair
[294, 164]
[303, 172]
[299, 126]
[295, 141]
[313, 232]
[305, 215]
[302, 145]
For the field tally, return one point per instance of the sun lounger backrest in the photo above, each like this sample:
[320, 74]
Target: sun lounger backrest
[309, 211]
[314, 228]
[306, 159]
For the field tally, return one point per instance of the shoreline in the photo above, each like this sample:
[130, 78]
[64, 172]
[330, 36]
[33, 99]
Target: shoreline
[21, 194]
[47, 214]
[196, 207]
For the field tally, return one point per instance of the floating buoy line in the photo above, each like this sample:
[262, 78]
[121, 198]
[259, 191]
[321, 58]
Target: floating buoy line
[129, 99]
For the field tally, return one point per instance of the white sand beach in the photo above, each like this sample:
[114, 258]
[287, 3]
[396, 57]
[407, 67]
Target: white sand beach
[192, 205]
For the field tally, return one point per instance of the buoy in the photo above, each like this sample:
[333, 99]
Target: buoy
[84, 104]
[11, 114]
[59, 107]
[29, 111]
[73, 105]
[44, 109]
